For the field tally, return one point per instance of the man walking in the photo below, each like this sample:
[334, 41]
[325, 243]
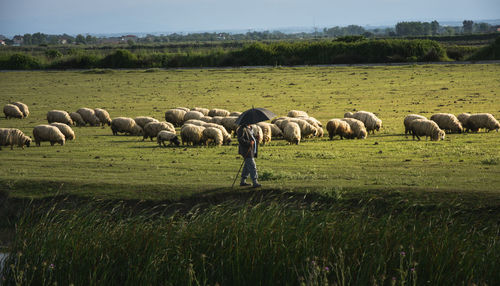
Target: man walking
[248, 148]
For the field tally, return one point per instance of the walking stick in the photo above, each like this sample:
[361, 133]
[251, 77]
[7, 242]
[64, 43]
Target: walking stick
[232, 186]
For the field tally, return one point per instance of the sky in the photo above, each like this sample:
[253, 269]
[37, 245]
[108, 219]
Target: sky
[143, 16]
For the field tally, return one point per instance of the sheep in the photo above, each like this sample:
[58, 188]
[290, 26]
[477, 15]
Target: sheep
[143, 120]
[306, 129]
[195, 122]
[183, 109]
[229, 123]
[125, 125]
[192, 134]
[204, 111]
[218, 112]
[408, 119]
[23, 107]
[281, 123]
[275, 130]
[226, 137]
[463, 118]
[152, 129]
[316, 123]
[357, 127]
[206, 118]
[193, 114]
[175, 116]
[12, 136]
[279, 118]
[60, 116]
[217, 120]
[212, 134]
[483, 120]
[291, 133]
[339, 127]
[69, 134]
[297, 113]
[257, 133]
[370, 120]
[165, 135]
[89, 116]
[235, 113]
[103, 116]
[266, 132]
[447, 122]
[77, 119]
[425, 127]
[10, 110]
[48, 133]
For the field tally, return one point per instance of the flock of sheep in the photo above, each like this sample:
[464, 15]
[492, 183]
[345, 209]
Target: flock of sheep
[202, 126]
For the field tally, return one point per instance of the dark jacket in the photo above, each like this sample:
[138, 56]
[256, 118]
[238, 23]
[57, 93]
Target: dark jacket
[245, 149]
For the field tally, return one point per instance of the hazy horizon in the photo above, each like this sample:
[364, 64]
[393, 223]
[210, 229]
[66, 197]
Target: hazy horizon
[169, 16]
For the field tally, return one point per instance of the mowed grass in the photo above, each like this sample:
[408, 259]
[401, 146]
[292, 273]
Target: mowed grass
[99, 164]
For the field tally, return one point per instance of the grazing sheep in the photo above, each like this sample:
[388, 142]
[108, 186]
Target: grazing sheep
[463, 118]
[195, 122]
[143, 120]
[483, 120]
[235, 113]
[48, 133]
[316, 123]
[212, 134]
[183, 108]
[152, 129]
[192, 134]
[370, 120]
[89, 116]
[60, 116]
[77, 119]
[193, 114]
[291, 133]
[407, 122]
[125, 125]
[281, 123]
[204, 111]
[257, 133]
[226, 137]
[10, 110]
[23, 107]
[175, 116]
[357, 127]
[12, 136]
[266, 132]
[206, 119]
[229, 123]
[165, 135]
[447, 122]
[297, 113]
[279, 118]
[103, 116]
[217, 120]
[427, 128]
[275, 131]
[339, 127]
[306, 129]
[218, 112]
[69, 134]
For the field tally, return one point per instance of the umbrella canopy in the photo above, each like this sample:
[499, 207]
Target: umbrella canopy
[254, 115]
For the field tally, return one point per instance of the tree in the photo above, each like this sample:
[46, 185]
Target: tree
[80, 40]
[467, 26]
[434, 27]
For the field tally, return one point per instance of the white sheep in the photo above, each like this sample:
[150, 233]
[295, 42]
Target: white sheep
[226, 137]
[12, 136]
[463, 117]
[23, 107]
[275, 130]
[60, 116]
[212, 135]
[10, 110]
[193, 114]
[235, 113]
[103, 116]
[218, 112]
[447, 122]
[306, 129]
[152, 129]
[370, 120]
[183, 108]
[217, 119]
[266, 132]
[257, 133]
[48, 133]
[175, 116]
[89, 116]
[195, 122]
[206, 119]
[69, 134]
[483, 120]
[297, 113]
[339, 127]
[125, 125]
[165, 135]
[427, 128]
[291, 133]
[77, 119]
[408, 119]
[204, 111]
[357, 127]
[229, 123]
[192, 134]
[143, 120]
[316, 123]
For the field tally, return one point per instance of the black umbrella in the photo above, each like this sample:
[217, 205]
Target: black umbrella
[254, 115]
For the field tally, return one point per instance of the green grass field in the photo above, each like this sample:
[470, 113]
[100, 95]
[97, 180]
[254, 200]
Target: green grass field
[99, 164]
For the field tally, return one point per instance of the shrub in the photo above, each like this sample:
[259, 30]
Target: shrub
[20, 61]
[120, 59]
[491, 52]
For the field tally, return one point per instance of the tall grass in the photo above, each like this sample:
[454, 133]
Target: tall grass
[261, 241]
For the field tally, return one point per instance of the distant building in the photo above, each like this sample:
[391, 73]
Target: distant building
[18, 40]
[63, 41]
[2, 43]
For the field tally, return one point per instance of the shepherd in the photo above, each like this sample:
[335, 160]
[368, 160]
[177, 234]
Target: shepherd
[248, 146]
